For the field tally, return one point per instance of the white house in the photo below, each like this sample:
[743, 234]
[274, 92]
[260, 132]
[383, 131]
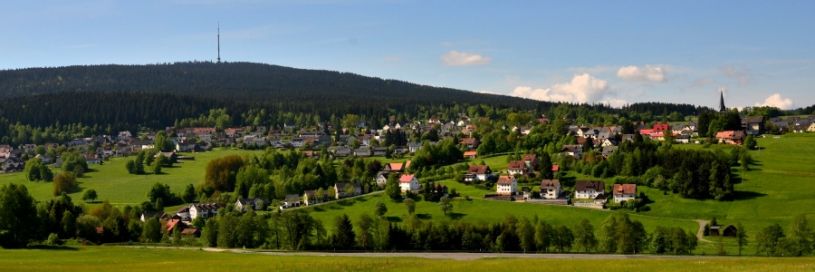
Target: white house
[589, 189]
[408, 183]
[203, 210]
[381, 179]
[291, 201]
[477, 173]
[507, 185]
[624, 192]
[550, 189]
[517, 168]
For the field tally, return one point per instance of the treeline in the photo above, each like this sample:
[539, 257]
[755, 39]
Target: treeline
[276, 173]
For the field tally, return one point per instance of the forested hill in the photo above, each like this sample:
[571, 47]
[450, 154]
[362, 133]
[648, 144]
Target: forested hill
[241, 82]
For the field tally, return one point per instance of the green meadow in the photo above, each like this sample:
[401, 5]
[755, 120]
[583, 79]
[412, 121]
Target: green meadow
[114, 184]
[158, 259]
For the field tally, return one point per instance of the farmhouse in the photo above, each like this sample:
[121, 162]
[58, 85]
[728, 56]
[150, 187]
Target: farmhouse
[589, 189]
[203, 210]
[477, 173]
[733, 137]
[408, 183]
[507, 185]
[531, 161]
[624, 192]
[754, 125]
[516, 168]
[470, 154]
[550, 189]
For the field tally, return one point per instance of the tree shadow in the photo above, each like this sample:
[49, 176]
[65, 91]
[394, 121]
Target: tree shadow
[423, 216]
[47, 247]
[746, 195]
[393, 219]
[455, 215]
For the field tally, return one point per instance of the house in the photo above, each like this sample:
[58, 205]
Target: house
[753, 125]
[174, 223]
[550, 189]
[477, 173]
[811, 127]
[203, 210]
[184, 214]
[380, 151]
[507, 185]
[408, 183]
[5, 151]
[343, 190]
[413, 147]
[342, 151]
[469, 142]
[397, 166]
[624, 192]
[734, 137]
[531, 161]
[310, 197]
[290, 201]
[584, 189]
[515, 168]
[244, 204]
[470, 154]
[363, 152]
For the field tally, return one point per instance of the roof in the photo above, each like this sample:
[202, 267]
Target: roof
[516, 165]
[730, 134]
[583, 185]
[627, 189]
[505, 180]
[478, 169]
[470, 153]
[555, 167]
[468, 141]
[396, 166]
[547, 183]
[406, 178]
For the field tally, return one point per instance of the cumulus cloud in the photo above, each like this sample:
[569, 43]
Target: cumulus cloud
[776, 100]
[583, 88]
[458, 58]
[647, 73]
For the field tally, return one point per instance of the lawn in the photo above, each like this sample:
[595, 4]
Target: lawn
[112, 182]
[152, 259]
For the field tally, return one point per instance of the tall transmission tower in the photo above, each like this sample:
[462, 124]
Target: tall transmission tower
[219, 42]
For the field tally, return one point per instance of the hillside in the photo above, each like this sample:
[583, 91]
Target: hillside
[246, 82]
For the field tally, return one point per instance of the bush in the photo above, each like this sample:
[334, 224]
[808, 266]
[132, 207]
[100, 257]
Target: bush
[64, 182]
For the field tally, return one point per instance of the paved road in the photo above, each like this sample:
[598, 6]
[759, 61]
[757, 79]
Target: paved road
[437, 255]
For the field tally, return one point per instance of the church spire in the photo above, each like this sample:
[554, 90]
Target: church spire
[722, 108]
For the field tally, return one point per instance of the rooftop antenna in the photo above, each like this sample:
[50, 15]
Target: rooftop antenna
[219, 42]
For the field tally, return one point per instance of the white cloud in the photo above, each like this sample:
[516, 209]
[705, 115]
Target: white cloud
[583, 88]
[776, 100]
[649, 73]
[458, 58]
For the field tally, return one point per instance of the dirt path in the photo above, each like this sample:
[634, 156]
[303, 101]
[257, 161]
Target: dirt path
[700, 233]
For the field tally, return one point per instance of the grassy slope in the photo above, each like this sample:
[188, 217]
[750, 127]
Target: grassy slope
[144, 259]
[112, 182]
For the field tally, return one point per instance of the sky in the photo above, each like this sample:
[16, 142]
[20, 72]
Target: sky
[610, 52]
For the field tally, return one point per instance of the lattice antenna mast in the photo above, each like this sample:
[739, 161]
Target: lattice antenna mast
[219, 42]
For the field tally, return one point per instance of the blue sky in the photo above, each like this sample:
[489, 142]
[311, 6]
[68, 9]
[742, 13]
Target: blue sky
[615, 52]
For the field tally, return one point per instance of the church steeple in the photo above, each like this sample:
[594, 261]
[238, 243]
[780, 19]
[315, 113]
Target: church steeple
[722, 108]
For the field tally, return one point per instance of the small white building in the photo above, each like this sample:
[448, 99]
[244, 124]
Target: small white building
[625, 192]
[408, 183]
[507, 185]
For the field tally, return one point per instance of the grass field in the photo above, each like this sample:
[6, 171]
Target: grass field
[151, 259]
[112, 182]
